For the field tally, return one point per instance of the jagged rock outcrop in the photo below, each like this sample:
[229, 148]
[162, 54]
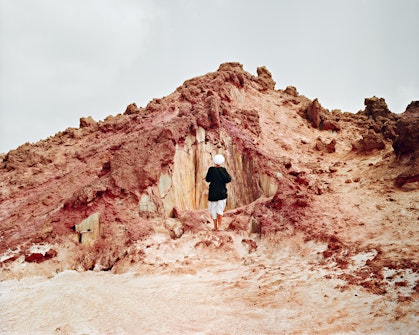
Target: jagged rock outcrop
[376, 107]
[378, 117]
[320, 117]
[265, 77]
[152, 159]
[314, 112]
[291, 90]
[87, 122]
[369, 141]
[148, 164]
[131, 109]
[407, 128]
[406, 144]
[326, 147]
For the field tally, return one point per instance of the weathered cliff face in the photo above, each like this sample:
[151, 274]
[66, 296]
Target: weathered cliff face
[148, 162]
[144, 170]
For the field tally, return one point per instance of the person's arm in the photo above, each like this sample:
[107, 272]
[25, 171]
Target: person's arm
[226, 175]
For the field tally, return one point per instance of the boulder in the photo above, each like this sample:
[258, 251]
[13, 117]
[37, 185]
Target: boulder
[407, 129]
[174, 227]
[313, 113]
[230, 66]
[291, 90]
[407, 144]
[39, 257]
[319, 117]
[331, 125]
[369, 142]
[375, 107]
[87, 122]
[131, 109]
[325, 147]
[406, 179]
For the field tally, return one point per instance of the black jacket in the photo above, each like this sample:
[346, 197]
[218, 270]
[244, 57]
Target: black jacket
[218, 177]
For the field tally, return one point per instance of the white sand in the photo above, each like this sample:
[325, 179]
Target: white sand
[182, 290]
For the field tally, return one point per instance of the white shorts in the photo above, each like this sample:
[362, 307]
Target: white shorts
[217, 207]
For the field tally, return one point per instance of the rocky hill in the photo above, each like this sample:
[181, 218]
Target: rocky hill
[339, 191]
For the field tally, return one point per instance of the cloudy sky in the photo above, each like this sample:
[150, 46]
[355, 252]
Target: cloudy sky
[64, 59]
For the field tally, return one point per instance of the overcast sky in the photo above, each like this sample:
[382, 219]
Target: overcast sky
[65, 59]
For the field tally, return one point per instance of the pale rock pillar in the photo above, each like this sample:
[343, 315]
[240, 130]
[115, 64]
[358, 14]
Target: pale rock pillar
[89, 229]
[183, 186]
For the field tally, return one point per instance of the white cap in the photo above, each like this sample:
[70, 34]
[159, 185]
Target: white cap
[218, 159]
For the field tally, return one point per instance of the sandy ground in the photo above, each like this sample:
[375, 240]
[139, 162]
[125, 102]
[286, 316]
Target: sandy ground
[184, 287]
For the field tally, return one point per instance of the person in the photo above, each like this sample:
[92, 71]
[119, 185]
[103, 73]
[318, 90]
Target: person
[218, 177]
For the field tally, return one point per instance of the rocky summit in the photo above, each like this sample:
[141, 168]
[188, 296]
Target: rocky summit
[320, 234]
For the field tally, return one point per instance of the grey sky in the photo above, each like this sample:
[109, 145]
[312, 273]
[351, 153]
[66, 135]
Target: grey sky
[64, 59]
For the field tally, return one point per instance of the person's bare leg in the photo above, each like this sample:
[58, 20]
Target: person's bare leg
[215, 224]
[219, 220]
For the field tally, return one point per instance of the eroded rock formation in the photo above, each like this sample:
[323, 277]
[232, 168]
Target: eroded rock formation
[143, 171]
[406, 144]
